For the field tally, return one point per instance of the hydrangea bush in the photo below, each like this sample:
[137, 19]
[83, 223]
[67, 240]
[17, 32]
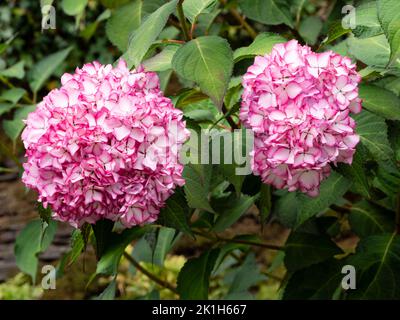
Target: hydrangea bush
[103, 145]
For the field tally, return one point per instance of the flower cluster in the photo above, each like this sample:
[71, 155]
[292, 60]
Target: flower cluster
[297, 103]
[105, 145]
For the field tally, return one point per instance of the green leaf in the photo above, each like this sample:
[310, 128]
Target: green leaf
[79, 241]
[394, 133]
[193, 8]
[357, 172]
[265, 202]
[15, 71]
[109, 291]
[373, 51]
[122, 22]
[319, 281]
[198, 107]
[331, 190]
[144, 36]
[14, 127]
[373, 133]
[42, 70]
[208, 62]
[243, 278]
[367, 22]
[377, 262]
[293, 209]
[127, 18]
[176, 213]
[32, 240]
[261, 45]
[161, 61]
[367, 219]
[304, 249]
[6, 107]
[310, 29]
[388, 14]
[387, 178]
[73, 7]
[165, 240]
[197, 186]
[335, 32]
[270, 12]
[194, 277]
[380, 101]
[232, 211]
[114, 246]
[13, 95]
[113, 3]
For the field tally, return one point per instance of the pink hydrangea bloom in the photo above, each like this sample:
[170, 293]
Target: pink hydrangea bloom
[104, 145]
[297, 103]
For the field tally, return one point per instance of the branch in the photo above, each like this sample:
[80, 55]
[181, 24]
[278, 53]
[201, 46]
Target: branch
[150, 275]
[228, 117]
[182, 20]
[248, 242]
[241, 20]
[398, 214]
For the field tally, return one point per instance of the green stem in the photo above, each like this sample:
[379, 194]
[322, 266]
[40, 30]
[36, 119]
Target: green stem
[182, 20]
[239, 241]
[243, 22]
[228, 117]
[150, 275]
[398, 214]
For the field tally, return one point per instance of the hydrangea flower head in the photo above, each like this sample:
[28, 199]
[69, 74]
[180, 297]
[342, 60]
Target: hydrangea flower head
[104, 146]
[297, 103]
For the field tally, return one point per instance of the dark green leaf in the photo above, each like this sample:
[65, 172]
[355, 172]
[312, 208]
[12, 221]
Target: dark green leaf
[114, 246]
[377, 263]
[304, 249]
[233, 211]
[197, 186]
[319, 281]
[265, 202]
[293, 209]
[194, 277]
[368, 219]
[373, 133]
[176, 213]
